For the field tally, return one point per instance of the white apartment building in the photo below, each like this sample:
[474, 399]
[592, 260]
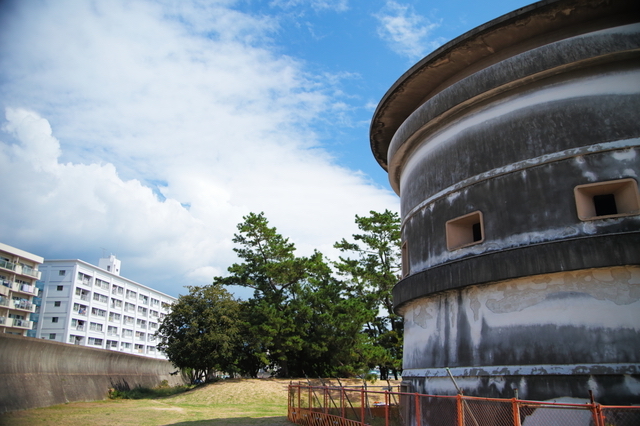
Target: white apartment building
[18, 276]
[94, 306]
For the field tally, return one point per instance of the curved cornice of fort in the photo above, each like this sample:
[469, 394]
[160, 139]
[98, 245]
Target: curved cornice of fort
[510, 35]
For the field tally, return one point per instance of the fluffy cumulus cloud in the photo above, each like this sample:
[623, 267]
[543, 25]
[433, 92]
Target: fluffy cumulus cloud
[406, 32]
[150, 128]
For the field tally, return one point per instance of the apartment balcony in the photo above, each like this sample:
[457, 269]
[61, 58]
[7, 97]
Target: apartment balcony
[4, 264]
[28, 271]
[29, 289]
[82, 311]
[4, 290]
[19, 323]
[23, 305]
[3, 320]
[4, 301]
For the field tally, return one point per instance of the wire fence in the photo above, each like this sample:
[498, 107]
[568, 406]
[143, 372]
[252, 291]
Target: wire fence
[383, 406]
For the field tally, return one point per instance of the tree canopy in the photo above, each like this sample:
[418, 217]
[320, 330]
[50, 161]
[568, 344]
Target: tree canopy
[201, 333]
[302, 319]
[372, 273]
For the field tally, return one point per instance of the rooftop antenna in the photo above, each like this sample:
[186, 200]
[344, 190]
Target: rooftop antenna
[104, 252]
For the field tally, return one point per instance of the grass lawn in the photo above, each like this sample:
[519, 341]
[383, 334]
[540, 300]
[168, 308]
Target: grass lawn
[231, 402]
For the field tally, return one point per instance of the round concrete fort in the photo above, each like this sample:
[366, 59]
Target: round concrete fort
[515, 150]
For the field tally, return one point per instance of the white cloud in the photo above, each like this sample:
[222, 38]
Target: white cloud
[407, 33]
[150, 130]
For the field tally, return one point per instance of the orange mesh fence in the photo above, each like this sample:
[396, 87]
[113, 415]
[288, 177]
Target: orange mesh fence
[351, 406]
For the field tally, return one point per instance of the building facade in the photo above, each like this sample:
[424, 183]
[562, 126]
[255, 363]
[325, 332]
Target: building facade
[18, 274]
[515, 150]
[94, 306]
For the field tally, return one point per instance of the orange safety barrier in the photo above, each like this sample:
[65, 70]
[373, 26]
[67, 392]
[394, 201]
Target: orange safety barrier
[356, 406]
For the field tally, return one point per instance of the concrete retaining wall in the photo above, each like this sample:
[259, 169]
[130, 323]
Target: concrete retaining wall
[39, 373]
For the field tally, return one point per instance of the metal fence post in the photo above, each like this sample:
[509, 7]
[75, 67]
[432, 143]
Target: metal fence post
[362, 406]
[515, 404]
[460, 410]
[386, 408]
[326, 404]
[417, 402]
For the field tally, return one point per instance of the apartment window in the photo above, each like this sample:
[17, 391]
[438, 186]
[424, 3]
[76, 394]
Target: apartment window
[125, 345]
[141, 323]
[142, 311]
[116, 289]
[113, 317]
[54, 319]
[144, 299]
[98, 312]
[129, 307]
[112, 331]
[100, 298]
[52, 336]
[139, 348]
[153, 325]
[128, 320]
[59, 288]
[77, 324]
[56, 303]
[154, 302]
[465, 231]
[603, 200]
[84, 278]
[112, 344]
[94, 326]
[81, 309]
[62, 273]
[102, 284]
[127, 333]
[95, 341]
[131, 294]
[153, 313]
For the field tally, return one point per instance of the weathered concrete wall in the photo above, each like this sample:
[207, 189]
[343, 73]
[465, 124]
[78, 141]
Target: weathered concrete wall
[38, 373]
[544, 335]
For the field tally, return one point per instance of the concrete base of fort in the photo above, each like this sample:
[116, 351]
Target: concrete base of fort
[39, 373]
[548, 336]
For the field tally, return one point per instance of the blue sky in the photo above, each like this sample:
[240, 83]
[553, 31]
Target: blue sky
[147, 129]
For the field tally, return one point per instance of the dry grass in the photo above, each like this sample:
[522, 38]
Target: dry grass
[249, 402]
[231, 402]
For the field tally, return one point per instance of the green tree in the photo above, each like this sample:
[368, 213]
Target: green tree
[372, 273]
[202, 332]
[298, 320]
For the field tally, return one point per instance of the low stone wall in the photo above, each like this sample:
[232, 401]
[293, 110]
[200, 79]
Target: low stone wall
[39, 373]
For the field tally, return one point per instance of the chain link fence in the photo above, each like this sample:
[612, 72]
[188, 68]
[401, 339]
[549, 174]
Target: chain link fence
[383, 406]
